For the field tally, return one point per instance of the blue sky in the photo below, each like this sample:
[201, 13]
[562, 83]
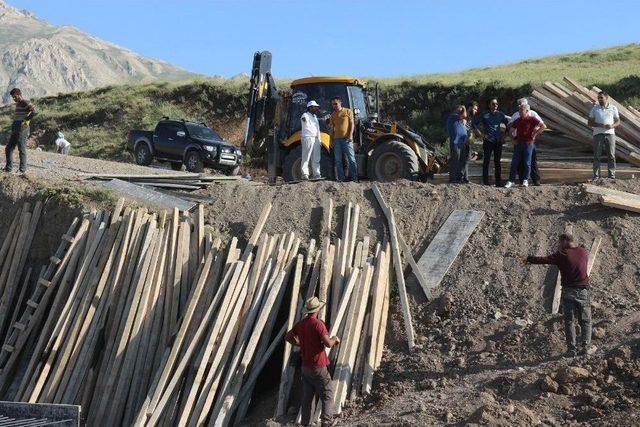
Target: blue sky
[356, 37]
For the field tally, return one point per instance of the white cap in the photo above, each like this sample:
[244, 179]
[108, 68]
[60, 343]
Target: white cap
[312, 104]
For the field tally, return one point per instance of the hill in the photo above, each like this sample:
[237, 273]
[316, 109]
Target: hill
[602, 66]
[45, 59]
[97, 121]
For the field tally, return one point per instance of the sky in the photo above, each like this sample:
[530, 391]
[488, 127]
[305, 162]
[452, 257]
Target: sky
[371, 38]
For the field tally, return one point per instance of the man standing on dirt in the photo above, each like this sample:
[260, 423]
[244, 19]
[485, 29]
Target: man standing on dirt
[310, 141]
[604, 119]
[535, 170]
[341, 128]
[526, 128]
[572, 261]
[492, 139]
[20, 130]
[311, 335]
[458, 144]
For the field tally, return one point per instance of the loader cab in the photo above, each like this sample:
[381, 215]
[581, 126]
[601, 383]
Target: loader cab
[322, 90]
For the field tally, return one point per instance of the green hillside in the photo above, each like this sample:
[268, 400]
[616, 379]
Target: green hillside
[603, 66]
[97, 122]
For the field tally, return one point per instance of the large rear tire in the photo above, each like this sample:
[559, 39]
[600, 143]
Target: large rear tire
[143, 154]
[232, 171]
[292, 165]
[393, 160]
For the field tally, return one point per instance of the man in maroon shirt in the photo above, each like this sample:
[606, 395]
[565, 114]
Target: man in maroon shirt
[572, 261]
[527, 127]
[311, 335]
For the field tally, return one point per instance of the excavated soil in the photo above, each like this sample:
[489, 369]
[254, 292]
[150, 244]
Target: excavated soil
[489, 351]
[487, 342]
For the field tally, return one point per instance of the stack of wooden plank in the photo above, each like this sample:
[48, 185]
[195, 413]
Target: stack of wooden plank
[175, 181]
[145, 319]
[355, 284]
[566, 109]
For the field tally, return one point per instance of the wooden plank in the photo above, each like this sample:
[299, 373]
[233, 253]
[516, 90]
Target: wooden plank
[287, 372]
[447, 244]
[408, 255]
[593, 253]
[557, 290]
[385, 309]
[603, 191]
[624, 203]
[326, 270]
[377, 302]
[397, 262]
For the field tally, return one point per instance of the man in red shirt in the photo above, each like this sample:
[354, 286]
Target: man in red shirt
[311, 335]
[527, 127]
[572, 261]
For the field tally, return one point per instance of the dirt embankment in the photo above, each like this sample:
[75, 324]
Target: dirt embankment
[487, 342]
[488, 351]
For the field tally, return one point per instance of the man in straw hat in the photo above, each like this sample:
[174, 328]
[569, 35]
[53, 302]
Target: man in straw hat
[311, 335]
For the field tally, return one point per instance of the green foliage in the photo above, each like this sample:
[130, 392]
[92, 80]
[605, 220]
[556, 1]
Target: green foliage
[79, 196]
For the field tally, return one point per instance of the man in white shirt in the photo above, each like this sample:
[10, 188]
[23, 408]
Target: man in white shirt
[604, 118]
[62, 145]
[310, 141]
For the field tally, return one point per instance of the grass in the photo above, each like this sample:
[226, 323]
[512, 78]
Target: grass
[97, 122]
[603, 66]
[79, 196]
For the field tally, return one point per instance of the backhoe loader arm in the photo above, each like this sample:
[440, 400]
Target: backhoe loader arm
[262, 103]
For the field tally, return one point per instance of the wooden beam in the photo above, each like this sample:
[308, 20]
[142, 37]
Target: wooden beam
[397, 262]
[447, 244]
[624, 203]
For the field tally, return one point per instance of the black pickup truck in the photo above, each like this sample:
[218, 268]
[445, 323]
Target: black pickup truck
[182, 142]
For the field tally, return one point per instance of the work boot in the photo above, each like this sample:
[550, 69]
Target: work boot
[537, 183]
[571, 353]
[588, 350]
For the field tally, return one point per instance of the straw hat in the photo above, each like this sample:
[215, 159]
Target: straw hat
[313, 305]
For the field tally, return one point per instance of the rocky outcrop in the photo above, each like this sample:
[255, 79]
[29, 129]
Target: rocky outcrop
[44, 59]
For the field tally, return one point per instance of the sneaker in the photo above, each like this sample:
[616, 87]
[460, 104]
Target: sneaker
[509, 184]
[525, 183]
[304, 177]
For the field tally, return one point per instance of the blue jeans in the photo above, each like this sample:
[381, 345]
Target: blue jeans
[522, 153]
[343, 147]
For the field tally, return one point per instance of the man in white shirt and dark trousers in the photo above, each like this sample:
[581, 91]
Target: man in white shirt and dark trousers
[310, 141]
[604, 118]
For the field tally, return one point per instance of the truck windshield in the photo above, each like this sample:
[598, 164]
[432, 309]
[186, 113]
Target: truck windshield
[202, 132]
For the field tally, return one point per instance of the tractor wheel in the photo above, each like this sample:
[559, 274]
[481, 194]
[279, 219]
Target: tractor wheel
[176, 166]
[143, 154]
[393, 160]
[193, 162]
[292, 165]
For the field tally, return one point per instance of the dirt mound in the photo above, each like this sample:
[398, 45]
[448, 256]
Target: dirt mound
[487, 341]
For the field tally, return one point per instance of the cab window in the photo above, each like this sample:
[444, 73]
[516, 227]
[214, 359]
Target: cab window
[358, 101]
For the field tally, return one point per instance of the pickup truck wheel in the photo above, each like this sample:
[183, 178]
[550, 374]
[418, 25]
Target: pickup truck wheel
[176, 166]
[143, 154]
[393, 160]
[193, 162]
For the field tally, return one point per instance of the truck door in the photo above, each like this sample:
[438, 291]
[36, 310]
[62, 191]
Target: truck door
[168, 144]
